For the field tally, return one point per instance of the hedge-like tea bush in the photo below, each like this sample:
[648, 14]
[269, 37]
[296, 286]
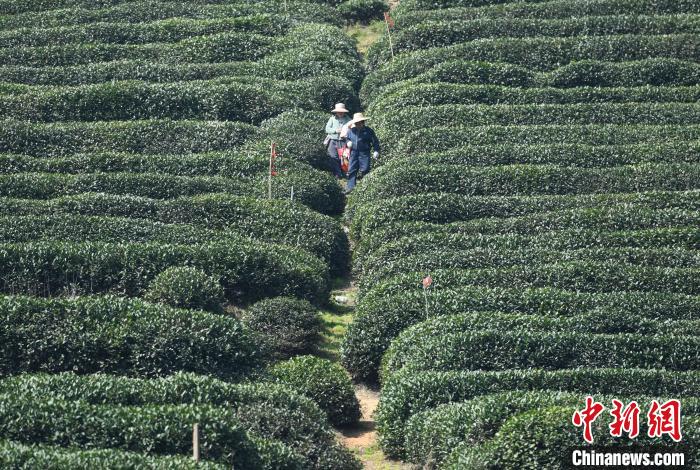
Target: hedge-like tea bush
[493, 257]
[16, 455]
[269, 410]
[208, 218]
[393, 125]
[528, 179]
[362, 11]
[448, 138]
[564, 154]
[444, 208]
[412, 93]
[156, 429]
[184, 287]
[312, 187]
[247, 270]
[323, 381]
[298, 136]
[407, 393]
[566, 228]
[381, 318]
[139, 11]
[229, 99]
[655, 229]
[429, 245]
[536, 439]
[110, 334]
[219, 47]
[541, 54]
[450, 71]
[158, 136]
[290, 326]
[169, 30]
[490, 349]
[659, 71]
[409, 12]
[280, 66]
[445, 33]
[230, 164]
[316, 190]
[432, 435]
[581, 275]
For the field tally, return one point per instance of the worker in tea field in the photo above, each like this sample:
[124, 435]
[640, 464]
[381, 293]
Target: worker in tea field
[361, 141]
[334, 139]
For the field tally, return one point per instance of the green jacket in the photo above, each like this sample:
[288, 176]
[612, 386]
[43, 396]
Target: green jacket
[334, 124]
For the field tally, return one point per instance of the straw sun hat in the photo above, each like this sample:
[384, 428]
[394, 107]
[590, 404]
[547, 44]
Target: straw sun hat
[339, 108]
[357, 117]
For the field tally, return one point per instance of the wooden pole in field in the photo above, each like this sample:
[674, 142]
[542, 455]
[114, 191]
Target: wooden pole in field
[269, 175]
[388, 33]
[195, 442]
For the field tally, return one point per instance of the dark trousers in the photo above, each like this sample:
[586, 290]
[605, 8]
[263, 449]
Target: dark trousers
[334, 161]
[359, 166]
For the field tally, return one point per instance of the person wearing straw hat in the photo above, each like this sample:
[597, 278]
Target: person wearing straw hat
[334, 140]
[361, 141]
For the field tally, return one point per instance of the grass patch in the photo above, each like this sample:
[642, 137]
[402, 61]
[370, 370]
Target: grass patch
[334, 327]
[365, 35]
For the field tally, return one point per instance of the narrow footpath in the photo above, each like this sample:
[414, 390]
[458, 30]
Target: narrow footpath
[361, 438]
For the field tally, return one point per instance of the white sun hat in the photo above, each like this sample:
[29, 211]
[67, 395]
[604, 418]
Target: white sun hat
[339, 108]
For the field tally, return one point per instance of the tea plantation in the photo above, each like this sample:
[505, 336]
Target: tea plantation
[530, 235]
[527, 237]
[153, 275]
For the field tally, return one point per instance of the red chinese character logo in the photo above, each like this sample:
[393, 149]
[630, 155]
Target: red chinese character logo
[586, 417]
[665, 419]
[626, 419]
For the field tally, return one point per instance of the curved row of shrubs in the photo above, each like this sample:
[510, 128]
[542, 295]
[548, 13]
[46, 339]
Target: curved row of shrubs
[267, 220]
[381, 318]
[14, 454]
[266, 409]
[528, 179]
[168, 30]
[375, 223]
[121, 336]
[292, 64]
[580, 275]
[222, 100]
[411, 93]
[392, 125]
[223, 438]
[141, 11]
[313, 189]
[431, 244]
[411, 12]
[429, 34]
[228, 164]
[541, 54]
[447, 138]
[155, 136]
[490, 349]
[220, 47]
[248, 270]
[564, 154]
[510, 257]
[615, 226]
[408, 393]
